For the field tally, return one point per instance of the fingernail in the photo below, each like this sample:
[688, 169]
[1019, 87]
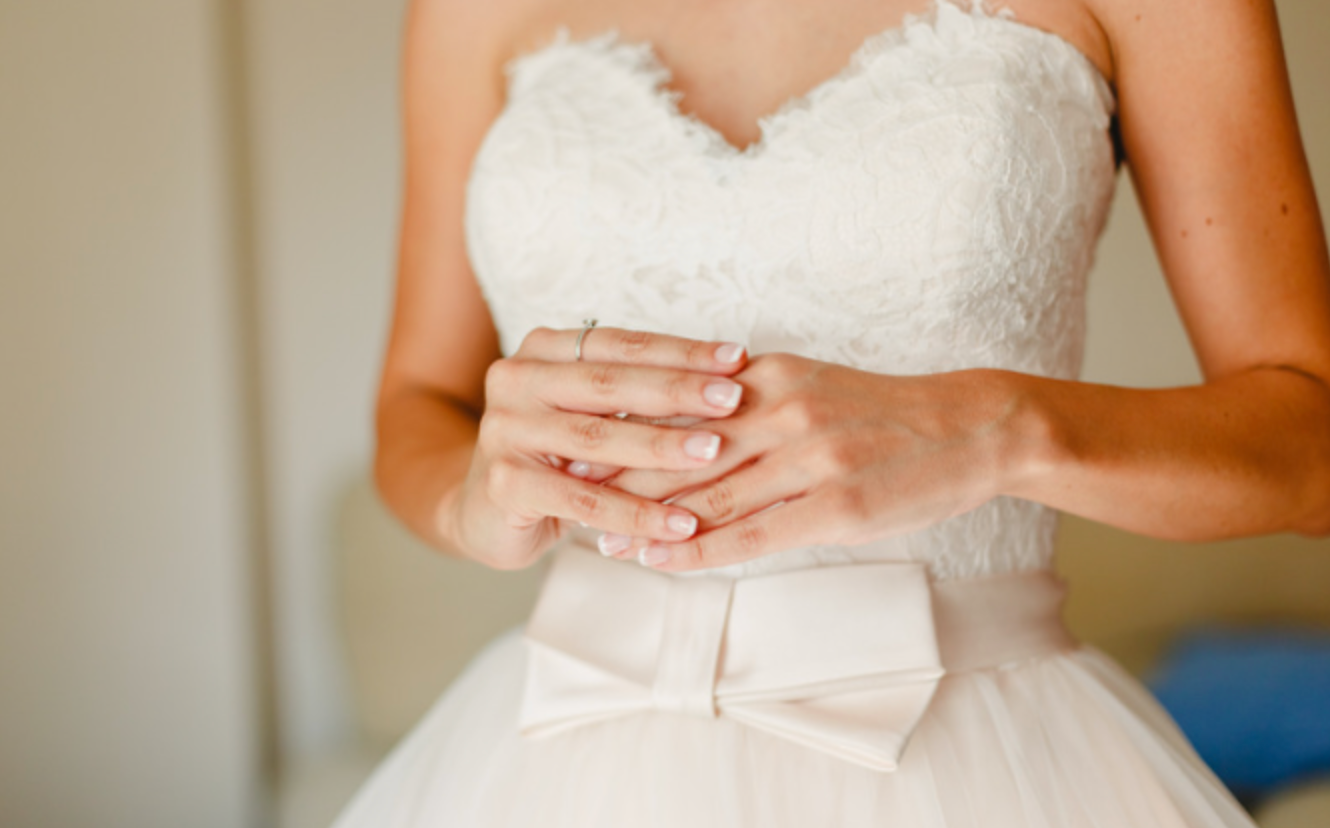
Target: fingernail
[684, 525]
[579, 468]
[730, 352]
[702, 446]
[723, 393]
[611, 544]
[653, 556]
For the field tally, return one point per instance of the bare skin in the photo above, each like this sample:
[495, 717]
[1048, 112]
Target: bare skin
[473, 449]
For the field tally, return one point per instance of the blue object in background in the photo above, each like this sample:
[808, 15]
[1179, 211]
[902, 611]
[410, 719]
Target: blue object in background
[1254, 701]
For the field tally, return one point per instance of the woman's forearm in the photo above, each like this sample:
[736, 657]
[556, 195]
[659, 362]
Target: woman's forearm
[1245, 455]
[423, 452]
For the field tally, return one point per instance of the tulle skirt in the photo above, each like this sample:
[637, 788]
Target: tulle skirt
[1069, 740]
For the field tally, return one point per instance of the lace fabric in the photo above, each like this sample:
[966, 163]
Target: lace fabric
[932, 207]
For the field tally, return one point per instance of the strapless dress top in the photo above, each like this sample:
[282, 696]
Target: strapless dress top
[932, 207]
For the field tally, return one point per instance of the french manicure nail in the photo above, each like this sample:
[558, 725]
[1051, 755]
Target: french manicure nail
[611, 544]
[684, 525]
[702, 446]
[730, 352]
[653, 556]
[723, 393]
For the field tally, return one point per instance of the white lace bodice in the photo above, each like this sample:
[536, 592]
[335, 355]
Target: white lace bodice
[934, 206]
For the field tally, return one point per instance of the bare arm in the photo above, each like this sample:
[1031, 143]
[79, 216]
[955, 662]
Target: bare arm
[1215, 153]
[1214, 149]
[442, 339]
[472, 446]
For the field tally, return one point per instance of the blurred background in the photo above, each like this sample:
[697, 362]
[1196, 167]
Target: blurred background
[207, 620]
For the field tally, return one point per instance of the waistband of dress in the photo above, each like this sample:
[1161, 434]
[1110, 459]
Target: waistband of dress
[841, 658]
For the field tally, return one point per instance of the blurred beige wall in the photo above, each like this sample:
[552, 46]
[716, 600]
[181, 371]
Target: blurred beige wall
[322, 87]
[128, 632]
[126, 665]
[1127, 589]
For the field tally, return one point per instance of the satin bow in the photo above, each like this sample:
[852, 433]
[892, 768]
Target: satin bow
[840, 659]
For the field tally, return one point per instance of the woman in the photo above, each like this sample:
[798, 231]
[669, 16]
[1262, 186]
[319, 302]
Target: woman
[822, 431]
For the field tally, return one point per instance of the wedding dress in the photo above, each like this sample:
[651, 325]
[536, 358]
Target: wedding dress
[934, 206]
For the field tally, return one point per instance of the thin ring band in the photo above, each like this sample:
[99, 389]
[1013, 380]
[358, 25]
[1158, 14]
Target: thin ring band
[587, 324]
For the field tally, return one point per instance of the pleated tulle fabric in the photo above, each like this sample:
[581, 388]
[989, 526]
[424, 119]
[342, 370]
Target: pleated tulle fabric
[935, 206]
[1066, 741]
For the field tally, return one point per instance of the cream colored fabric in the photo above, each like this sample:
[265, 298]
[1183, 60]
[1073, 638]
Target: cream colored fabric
[839, 659]
[933, 207]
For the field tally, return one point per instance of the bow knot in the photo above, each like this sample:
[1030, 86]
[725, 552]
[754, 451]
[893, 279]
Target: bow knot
[687, 660]
[841, 659]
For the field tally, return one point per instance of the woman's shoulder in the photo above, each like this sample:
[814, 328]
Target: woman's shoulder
[1155, 32]
[481, 34]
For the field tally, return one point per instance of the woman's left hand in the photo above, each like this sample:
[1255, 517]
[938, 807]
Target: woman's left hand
[819, 453]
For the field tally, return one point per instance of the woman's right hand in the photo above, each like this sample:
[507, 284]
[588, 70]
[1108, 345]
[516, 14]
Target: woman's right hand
[541, 406]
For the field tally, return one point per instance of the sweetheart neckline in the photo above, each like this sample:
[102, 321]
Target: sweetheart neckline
[874, 44]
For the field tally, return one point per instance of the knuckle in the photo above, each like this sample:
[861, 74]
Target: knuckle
[693, 554]
[720, 500]
[776, 365]
[585, 502]
[679, 387]
[750, 538]
[643, 518]
[536, 339]
[768, 361]
[605, 379]
[850, 502]
[502, 478]
[665, 446]
[788, 364]
[631, 345]
[698, 354]
[837, 458]
[798, 413]
[492, 428]
[591, 432]
[499, 377]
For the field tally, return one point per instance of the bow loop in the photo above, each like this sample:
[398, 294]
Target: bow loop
[842, 659]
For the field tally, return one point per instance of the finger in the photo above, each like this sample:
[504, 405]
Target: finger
[666, 484]
[594, 472]
[747, 491]
[611, 441]
[614, 545]
[611, 388]
[673, 485]
[549, 493]
[785, 525]
[633, 347]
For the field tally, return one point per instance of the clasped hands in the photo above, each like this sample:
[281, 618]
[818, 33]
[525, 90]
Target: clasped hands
[717, 458]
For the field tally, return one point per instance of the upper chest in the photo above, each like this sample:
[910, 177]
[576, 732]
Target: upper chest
[734, 62]
[956, 142]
